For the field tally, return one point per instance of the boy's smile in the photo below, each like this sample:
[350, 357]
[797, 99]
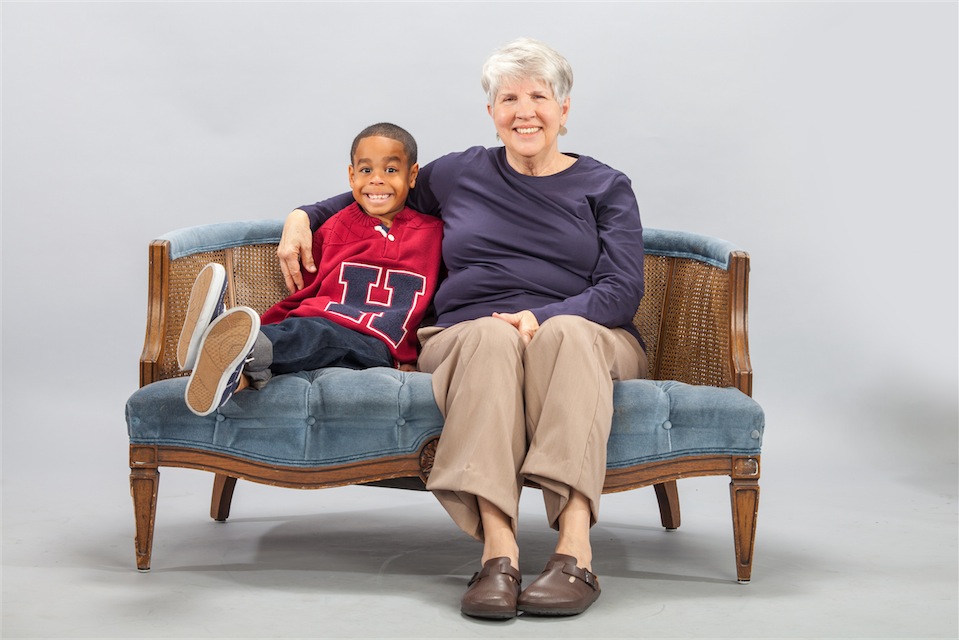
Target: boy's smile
[381, 177]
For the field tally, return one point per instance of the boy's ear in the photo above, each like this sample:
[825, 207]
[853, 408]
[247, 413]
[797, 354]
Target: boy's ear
[349, 169]
[414, 171]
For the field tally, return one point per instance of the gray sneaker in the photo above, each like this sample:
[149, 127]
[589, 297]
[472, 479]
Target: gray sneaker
[224, 351]
[206, 303]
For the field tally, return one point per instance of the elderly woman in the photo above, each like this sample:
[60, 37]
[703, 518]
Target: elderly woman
[534, 323]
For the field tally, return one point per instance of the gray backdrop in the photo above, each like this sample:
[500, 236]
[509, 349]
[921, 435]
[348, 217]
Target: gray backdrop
[820, 137]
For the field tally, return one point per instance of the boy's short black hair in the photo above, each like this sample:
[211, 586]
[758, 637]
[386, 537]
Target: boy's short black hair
[391, 131]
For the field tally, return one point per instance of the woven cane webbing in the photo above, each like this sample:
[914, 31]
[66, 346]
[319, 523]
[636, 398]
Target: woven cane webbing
[647, 318]
[183, 272]
[257, 279]
[694, 343]
[683, 318]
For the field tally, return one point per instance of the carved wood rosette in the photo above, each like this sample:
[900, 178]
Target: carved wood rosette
[427, 456]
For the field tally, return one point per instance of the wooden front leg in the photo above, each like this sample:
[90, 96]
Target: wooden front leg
[744, 497]
[144, 482]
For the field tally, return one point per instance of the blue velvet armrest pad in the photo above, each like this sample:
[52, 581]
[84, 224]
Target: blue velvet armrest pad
[212, 237]
[682, 244]
[337, 416]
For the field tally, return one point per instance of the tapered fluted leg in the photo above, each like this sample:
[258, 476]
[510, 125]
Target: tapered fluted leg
[744, 497]
[144, 482]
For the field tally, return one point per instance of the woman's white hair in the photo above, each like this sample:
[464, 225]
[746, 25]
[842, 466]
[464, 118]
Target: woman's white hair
[527, 59]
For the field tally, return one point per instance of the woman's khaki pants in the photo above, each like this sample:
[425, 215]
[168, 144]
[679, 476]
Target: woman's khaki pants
[541, 412]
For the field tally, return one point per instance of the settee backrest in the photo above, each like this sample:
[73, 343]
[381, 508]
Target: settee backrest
[692, 317]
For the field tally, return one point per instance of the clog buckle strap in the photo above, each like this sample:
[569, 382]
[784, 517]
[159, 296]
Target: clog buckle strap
[504, 569]
[585, 575]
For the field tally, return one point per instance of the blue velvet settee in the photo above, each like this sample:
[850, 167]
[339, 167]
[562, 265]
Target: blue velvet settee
[335, 427]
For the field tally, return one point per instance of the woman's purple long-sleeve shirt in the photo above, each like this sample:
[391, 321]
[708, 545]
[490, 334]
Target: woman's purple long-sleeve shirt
[565, 244]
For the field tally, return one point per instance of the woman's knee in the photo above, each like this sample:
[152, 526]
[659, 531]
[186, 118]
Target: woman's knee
[485, 342]
[560, 329]
[567, 323]
[494, 335]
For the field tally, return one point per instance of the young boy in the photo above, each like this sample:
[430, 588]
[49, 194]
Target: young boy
[378, 265]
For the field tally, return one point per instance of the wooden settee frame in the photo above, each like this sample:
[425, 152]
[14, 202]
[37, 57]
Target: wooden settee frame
[693, 319]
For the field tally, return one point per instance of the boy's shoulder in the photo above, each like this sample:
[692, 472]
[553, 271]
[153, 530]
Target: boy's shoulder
[420, 220]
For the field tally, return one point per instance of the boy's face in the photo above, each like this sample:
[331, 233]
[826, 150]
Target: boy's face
[381, 177]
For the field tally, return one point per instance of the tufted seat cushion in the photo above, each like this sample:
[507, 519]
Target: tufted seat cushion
[337, 416]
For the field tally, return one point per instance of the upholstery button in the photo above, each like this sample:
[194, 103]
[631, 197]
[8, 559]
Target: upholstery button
[755, 434]
[311, 421]
[220, 417]
[400, 421]
[667, 425]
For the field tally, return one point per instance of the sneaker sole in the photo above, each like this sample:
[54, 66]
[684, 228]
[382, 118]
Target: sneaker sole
[223, 349]
[205, 296]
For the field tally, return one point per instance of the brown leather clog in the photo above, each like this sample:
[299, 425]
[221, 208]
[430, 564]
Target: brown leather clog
[563, 589]
[492, 591]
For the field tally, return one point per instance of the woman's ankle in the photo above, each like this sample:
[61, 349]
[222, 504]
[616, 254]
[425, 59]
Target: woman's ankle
[574, 526]
[582, 552]
[501, 546]
[499, 540]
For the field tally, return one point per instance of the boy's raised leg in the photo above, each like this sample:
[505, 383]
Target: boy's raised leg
[223, 353]
[205, 305]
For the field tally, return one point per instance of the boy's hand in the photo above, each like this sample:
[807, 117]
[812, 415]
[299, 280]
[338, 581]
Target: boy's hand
[524, 321]
[295, 249]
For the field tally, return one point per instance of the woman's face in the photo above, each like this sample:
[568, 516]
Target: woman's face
[527, 118]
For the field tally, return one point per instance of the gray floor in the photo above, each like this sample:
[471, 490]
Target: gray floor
[848, 546]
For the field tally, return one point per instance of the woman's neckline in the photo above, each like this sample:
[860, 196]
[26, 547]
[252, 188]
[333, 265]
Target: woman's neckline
[573, 159]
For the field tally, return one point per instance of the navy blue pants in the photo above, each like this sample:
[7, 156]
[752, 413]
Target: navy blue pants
[303, 344]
